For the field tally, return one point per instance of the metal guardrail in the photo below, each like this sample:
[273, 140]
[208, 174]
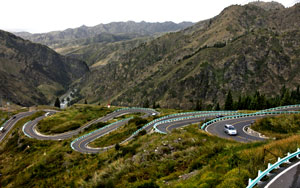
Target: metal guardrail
[83, 136]
[271, 167]
[191, 117]
[282, 107]
[23, 129]
[178, 114]
[171, 115]
[174, 115]
[248, 115]
[4, 123]
[135, 108]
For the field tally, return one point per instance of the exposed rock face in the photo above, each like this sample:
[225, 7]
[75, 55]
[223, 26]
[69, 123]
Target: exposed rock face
[32, 73]
[268, 5]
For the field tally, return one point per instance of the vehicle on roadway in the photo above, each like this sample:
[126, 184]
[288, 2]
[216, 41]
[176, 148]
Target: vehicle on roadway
[230, 130]
[219, 116]
[2, 129]
[14, 117]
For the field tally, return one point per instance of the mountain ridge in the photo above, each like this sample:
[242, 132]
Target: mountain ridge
[55, 38]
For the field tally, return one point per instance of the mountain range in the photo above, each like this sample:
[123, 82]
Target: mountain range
[244, 49]
[55, 39]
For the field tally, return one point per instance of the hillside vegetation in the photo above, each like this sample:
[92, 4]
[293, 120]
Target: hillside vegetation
[187, 157]
[71, 119]
[278, 126]
[244, 49]
[98, 54]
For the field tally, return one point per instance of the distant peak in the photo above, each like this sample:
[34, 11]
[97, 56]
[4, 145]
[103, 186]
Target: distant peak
[267, 5]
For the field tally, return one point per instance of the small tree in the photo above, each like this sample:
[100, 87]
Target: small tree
[154, 105]
[286, 99]
[57, 103]
[198, 105]
[146, 104]
[217, 108]
[229, 101]
[117, 146]
[85, 101]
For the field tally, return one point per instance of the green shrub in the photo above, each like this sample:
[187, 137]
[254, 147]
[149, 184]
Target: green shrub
[148, 185]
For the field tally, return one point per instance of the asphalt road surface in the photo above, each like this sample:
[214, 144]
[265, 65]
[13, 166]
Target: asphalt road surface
[167, 127]
[12, 121]
[218, 129]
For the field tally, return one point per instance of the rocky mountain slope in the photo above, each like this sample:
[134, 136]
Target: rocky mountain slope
[243, 49]
[102, 49]
[58, 39]
[32, 73]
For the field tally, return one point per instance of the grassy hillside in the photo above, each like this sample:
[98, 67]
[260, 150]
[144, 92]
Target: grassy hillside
[4, 116]
[244, 49]
[187, 157]
[279, 127]
[71, 119]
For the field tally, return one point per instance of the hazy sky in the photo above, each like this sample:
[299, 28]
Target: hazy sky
[48, 15]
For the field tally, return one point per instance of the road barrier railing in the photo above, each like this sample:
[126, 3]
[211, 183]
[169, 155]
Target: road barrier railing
[168, 116]
[135, 108]
[191, 117]
[248, 115]
[23, 129]
[174, 115]
[3, 124]
[271, 167]
[109, 125]
[282, 107]
[198, 112]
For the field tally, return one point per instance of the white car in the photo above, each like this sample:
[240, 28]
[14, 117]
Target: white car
[230, 130]
[2, 130]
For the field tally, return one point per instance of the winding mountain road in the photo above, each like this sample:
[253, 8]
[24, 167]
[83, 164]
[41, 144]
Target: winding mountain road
[30, 130]
[164, 125]
[81, 144]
